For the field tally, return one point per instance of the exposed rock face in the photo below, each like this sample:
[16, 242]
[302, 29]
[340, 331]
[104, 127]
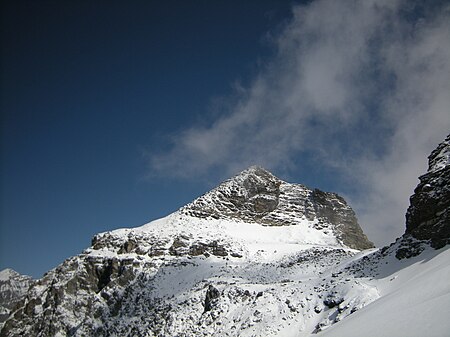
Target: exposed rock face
[428, 216]
[13, 287]
[255, 195]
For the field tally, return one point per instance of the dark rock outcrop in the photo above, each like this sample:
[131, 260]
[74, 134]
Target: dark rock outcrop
[428, 216]
[211, 294]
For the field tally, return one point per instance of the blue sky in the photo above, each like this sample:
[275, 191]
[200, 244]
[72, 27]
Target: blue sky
[114, 113]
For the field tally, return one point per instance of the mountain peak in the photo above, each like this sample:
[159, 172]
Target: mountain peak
[255, 170]
[254, 177]
[255, 195]
[13, 287]
[7, 273]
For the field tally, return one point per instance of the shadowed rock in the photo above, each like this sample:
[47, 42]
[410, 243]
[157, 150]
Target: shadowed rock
[428, 216]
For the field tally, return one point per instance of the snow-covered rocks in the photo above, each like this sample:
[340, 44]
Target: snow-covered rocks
[13, 286]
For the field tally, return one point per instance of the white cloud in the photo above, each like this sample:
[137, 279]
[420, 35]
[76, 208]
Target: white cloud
[362, 84]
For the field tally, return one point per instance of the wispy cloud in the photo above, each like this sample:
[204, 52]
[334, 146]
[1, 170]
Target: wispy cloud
[362, 85]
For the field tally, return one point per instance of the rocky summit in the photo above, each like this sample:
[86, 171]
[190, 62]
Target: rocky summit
[256, 256]
[256, 195]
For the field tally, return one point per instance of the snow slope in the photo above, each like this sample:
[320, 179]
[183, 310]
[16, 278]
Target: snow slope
[154, 280]
[414, 301]
[273, 283]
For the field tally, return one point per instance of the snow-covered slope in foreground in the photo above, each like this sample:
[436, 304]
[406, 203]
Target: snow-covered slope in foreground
[414, 301]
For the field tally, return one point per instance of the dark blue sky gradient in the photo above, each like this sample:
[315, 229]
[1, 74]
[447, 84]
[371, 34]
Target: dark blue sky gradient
[87, 87]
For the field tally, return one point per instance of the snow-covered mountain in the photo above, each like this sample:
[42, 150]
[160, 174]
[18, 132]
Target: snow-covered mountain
[255, 256]
[13, 287]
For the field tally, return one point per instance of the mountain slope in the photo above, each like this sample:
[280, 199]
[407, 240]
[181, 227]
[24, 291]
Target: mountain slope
[216, 266]
[414, 300]
[256, 256]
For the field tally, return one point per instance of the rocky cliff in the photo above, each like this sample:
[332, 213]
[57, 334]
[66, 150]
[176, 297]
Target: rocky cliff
[428, 216]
